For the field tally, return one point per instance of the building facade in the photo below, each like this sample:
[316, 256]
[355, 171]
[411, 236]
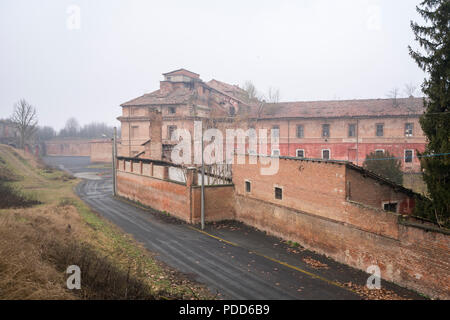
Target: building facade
[336, 130]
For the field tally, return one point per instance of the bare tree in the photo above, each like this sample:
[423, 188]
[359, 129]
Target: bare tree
[273, 95]
[393, 94]
[251, 90]
[410, 90]
[71, 128]
[25, 120]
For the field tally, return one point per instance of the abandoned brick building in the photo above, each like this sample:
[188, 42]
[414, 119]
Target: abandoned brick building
[338, 130]
[320, 196]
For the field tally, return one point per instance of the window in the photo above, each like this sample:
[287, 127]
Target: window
[390, 207]
[248, 186]
[300, 153]
[409, 128]
[352, 130]
[300, 131]
[170, 130]
[275, 152]
[380, 130]
[326, 154]
[134, 131]
[276, 131]
[172, 110]
[232, 111]
[278, 193]
[379, 152]
[326, 130]
[409, 154]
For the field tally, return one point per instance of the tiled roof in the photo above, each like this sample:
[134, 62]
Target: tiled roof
[182, 72]
[231, 90]
[158, 97]
[344, 108]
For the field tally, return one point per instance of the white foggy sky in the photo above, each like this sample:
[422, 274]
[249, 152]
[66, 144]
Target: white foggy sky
[310, 50]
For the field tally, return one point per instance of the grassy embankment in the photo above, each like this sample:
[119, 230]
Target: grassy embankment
[45, 227]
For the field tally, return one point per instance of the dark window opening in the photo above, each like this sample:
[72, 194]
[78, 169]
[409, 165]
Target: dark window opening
[326, 154]
[232, 111]
[390, 207]
[408, 156]
[300, 153]
[278, 193]
[248, 186]
[172, 110]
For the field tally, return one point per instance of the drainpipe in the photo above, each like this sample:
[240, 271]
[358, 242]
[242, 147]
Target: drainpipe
[203, 188]
[357, 142]
[114, 161]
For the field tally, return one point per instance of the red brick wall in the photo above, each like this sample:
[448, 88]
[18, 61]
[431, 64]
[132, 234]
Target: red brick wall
[79, 148]
[411, 257]
[219, 203]
[101, 151]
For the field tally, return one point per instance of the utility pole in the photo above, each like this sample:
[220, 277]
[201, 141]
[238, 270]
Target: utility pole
[114, 161]
[203, 188]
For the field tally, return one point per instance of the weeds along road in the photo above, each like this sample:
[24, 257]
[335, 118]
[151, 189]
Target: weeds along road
[235, 272]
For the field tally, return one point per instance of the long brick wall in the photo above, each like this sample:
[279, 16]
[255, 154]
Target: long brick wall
[318, 212]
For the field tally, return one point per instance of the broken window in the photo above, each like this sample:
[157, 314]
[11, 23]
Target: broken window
[409, 128]
[380, 130]
[170, 131]
[278, 193]
[409, 154]
[326, 130]
[351, 130]
[390, 207]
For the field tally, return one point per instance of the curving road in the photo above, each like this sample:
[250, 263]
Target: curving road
[245, 264]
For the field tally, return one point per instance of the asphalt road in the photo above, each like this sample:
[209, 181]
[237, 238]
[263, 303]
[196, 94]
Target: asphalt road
[233, 260]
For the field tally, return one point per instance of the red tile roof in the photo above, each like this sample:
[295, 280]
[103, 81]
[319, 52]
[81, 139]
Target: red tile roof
[158, 97]
[344, 108]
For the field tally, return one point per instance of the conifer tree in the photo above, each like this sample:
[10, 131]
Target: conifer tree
[433, 58]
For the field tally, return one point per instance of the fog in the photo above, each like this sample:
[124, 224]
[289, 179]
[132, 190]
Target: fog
[310, 50]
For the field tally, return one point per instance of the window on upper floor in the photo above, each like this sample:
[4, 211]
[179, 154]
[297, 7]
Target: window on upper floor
[300, 131]
[352, 130]
[170, 131]
[134, 131]
[409, 129]
[380, 130]
[276, 131]
[172, 110]
[325, 130]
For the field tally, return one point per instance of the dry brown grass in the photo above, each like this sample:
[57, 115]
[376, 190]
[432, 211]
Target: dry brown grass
[37, 245]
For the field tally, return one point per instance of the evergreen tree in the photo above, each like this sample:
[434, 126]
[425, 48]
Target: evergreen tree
[434, 38]
[385, 165]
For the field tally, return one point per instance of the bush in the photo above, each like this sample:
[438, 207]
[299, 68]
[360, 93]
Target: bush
[386, 165]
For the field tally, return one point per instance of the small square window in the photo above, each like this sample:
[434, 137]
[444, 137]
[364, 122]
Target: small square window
[379, 152]
[380, 130]
[352, 130]
[300, 131]
[325, 130]
[300, 153]
[409, 154]
[326, 154]
[172, 110]
[248, 186]
[278, 193]
[390, 207]
[409, 129]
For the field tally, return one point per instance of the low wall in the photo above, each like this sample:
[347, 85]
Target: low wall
[101, 150]
[410, 256]
[149, 184]
[78, 148]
